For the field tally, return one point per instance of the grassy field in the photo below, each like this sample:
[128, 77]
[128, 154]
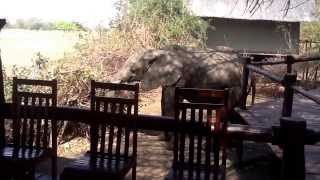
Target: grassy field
[18, 46]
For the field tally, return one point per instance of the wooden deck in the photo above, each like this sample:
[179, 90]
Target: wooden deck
[154, 161]
[267, 114]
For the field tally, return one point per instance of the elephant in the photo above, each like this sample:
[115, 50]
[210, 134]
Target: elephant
[178, 66]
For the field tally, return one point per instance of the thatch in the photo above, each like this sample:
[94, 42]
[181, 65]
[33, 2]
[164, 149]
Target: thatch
[274, 10]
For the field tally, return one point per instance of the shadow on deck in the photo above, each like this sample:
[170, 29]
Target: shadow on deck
[154, 162]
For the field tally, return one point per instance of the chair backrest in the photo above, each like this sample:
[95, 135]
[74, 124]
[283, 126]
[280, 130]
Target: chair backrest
[199, 152]
[34, 124]
[118, 134]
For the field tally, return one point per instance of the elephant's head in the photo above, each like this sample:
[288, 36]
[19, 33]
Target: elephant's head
[153, 68]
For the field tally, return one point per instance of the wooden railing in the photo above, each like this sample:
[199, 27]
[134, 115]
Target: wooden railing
[149, 122]
[309, 45]
[254, 61]
[163, 123]
[292, 132]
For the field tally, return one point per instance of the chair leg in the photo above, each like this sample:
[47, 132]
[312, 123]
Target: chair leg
[54, 168]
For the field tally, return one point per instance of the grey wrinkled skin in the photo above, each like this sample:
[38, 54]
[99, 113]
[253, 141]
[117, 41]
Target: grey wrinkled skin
[184, 67]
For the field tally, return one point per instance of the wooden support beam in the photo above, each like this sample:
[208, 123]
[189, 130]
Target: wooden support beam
[306, 94]
[288, 81]
[165, 123]
[289, 61]
[266, 73]
[292, 133]
[156, 123]
[306, 57]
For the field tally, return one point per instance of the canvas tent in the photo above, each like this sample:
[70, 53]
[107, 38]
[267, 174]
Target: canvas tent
[272, 26]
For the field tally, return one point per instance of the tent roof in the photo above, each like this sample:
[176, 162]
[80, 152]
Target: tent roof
[274, 10]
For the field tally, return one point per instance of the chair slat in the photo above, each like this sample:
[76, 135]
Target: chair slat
[191, 145]
[98, 106]
[32, 116]
[182, 144]
[15, 124]
[119, 133]
[208, 146]
[36, 82]
[24, 121]
[199, 146]
[200, 105]
[192, 92]
[115, 100]
[127, 134]
[124, 128]
[111, 133]
[216, 150]
[38, 125]
[103, 130]
[113, 86]
[46, 124]
[103, 137]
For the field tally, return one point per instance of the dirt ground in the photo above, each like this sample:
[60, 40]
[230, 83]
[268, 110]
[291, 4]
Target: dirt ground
[154, 157]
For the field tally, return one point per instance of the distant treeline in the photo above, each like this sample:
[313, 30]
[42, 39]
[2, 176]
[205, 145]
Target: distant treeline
[37, 24]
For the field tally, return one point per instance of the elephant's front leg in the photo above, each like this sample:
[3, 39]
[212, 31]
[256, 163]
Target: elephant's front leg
[167, 105]
[167, 101]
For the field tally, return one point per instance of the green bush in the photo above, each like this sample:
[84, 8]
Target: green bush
[67, 26]
[168, 20]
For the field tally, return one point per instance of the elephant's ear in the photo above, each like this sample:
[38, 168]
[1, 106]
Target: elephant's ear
[162, 70]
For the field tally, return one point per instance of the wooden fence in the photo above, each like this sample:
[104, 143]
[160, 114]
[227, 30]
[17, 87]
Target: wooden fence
[292, 132]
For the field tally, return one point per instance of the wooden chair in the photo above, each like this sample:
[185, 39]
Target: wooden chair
[34, 130]
[113, 142]
[200, 154]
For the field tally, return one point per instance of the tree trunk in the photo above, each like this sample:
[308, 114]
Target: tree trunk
[307, 73]
[316, 73]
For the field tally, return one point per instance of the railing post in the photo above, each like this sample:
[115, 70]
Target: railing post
[292, 135]
[288, 80]
[245, 79]
[289, 62]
